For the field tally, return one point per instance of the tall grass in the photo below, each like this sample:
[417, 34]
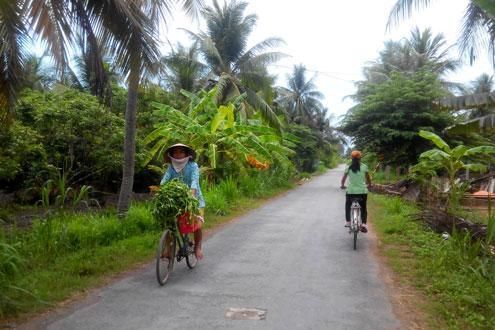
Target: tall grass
[457, 274]
[10, 268]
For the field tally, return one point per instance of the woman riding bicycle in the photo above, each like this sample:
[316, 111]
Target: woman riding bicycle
[183, 167]
[359, 182]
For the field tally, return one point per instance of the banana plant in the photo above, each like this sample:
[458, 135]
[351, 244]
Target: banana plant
[451, 160]
[218, 137]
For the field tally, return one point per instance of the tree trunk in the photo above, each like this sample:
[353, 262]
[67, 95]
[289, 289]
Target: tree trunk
[387, 173]
[129, 143]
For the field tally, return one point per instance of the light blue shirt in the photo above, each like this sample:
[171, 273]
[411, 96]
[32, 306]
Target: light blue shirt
[189, 175]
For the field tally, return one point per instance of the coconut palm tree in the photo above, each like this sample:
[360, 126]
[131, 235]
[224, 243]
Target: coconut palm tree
[478, 25]
[34, 76]
[422, 49]
[239, 70]
[483, 84]
[430, 50]
[301, 100]
[182, 69]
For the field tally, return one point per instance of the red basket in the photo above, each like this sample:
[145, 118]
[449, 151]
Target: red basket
[187, 225]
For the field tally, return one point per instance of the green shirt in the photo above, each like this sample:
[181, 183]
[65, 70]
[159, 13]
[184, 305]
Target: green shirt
[357, 181]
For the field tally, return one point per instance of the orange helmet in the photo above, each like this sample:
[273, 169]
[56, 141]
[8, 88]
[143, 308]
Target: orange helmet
[356, 154]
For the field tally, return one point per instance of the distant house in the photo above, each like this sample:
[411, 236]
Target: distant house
[471, 101]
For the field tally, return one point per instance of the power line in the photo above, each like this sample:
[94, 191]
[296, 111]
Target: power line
[325, 73]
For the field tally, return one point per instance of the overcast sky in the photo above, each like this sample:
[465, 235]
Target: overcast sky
[337, 38]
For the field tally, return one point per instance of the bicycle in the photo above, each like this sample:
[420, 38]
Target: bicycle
[356, 222]
[181, 236]
[355, 226]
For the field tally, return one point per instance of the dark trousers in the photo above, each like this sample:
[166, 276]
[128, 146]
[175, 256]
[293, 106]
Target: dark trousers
[362, 202]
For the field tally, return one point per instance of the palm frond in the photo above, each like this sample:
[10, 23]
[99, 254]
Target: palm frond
[252, 62]
[13, 44]
[478, 31]
[226, 88]
[403, 9]
[51, 22]
[266, 112]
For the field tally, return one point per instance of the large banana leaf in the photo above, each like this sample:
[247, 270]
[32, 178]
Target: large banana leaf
[435, 139]
[480, 150]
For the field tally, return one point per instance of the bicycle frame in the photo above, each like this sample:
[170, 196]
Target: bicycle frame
[184, 245]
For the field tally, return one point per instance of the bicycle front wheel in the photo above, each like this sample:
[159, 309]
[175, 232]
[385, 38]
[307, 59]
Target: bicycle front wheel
[165, 256]
[191, 259]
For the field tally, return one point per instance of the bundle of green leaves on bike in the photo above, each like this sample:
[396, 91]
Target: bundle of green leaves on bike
[173, 199]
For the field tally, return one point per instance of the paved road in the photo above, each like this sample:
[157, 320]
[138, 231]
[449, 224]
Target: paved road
[292, 257]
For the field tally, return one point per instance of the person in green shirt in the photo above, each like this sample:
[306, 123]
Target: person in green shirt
[359, 181]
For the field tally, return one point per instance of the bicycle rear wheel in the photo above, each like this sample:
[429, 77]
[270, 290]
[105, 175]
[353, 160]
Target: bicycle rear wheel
[191, 259]
[356, 224]
[355, 239]
[165, 256]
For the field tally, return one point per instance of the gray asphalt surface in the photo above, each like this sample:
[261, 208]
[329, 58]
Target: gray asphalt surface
[292, 257]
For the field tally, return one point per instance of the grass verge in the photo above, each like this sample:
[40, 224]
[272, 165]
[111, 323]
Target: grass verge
[456, 276]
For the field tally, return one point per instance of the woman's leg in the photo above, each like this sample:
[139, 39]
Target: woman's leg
[364, 210]
[348, 202]
[198, 238]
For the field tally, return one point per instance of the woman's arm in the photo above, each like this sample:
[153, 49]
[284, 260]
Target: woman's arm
[194, 179]
[342, 182]
[166, 177]
[368, 179]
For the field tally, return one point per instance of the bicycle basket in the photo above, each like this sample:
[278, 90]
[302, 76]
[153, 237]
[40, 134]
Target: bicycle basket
[186, 224]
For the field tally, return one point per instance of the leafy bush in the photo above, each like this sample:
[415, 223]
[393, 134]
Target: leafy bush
[76, 128]
[22, 154]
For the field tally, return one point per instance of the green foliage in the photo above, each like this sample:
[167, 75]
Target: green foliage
[456, 274]
[22, 154]
[173, 199]
[450, 160]
[11, 264]
[216, 202]
[229, 189]
[57, 191]
[63, 233]
[306, 148]
[76, 128]
[391, 113]
[221, 141]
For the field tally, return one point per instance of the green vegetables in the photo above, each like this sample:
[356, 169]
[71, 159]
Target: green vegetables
[174, 198]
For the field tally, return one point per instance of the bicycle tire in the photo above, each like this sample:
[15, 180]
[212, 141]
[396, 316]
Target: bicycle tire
[191, 259]
[356, 216]
[355, 239]
[164, 266]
